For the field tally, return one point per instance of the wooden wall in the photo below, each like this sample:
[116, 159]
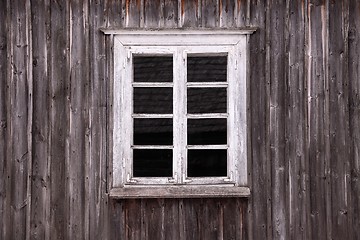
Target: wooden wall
[304, 128]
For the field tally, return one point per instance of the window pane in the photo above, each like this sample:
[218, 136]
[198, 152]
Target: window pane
[206, 100]
[206, 69]
[153, 131]
[152, 163]
[207, 131]
[207, 163]
[153, 100]
[153, 69]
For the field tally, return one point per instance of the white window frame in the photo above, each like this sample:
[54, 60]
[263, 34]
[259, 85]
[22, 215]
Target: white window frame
[234, 44]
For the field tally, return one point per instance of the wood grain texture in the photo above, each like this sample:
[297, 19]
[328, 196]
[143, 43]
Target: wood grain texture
[227, 12]
[354, 116]
[298, 212]
[116, 12]
[277, 63]
[77, 140]
[339, 161]
[3, 116]
[242, 12]
[318, 125]
[209, 13]
[260, 209]
[98, 117]
[190, 16]
[134, 11]
[19, 157]
[153, 13]
[40, 214]
[55, 122]
[7, 161]
[117, 227]
[59, 115]
[170, 14]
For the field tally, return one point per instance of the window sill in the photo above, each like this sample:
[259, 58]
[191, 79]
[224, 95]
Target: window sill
[179, 192]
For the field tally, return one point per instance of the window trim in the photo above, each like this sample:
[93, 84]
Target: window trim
[235, 39]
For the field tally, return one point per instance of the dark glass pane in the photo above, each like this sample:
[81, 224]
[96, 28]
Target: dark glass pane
[153, 69]
[207, 163]
[152, 162]
[207, 131]
[207, 69]
[153, 100]
[206, 100]
[153, 131]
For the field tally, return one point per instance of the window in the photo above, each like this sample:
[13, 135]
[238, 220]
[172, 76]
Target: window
[179, 113]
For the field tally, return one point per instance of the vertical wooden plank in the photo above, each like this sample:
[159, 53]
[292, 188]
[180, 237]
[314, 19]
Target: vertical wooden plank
[316, 71]
[241, 12]
[241, 216]
[40, 130]
[231, 219]
[227, 13]
[296, 151]
[59, 115]
[190, 13]
[3, 115]
[203, 218]
[134, 13]
[354, 115]
[153, 13]
[260, 201]
[338, 109]
[171, 219]
[170, 13]
[115, 11]
[209, 219]
[278, 75]
[182, 225]
[7, 164]
[19, 117]
[154, 219]
[191, 214]
[86, 117]
[160, 13]
[133, 219]
[98, 219]
[210, 13]
[118, 227]
[30, 107]
[77, 160]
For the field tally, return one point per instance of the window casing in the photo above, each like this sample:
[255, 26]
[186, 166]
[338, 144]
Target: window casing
[181, 46]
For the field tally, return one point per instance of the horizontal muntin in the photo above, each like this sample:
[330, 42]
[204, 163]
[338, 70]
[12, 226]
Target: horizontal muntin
[152, 147]
[207, 84]
[206, 115]
[204, 147]
[150, 115]
[153, 84]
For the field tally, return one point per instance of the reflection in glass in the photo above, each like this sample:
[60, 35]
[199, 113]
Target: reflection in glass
[152, 163]
[149, 131]
[207, 131]
[207, 69]
[207, 163]
[153, 100]
[153, 68]
[206, 100]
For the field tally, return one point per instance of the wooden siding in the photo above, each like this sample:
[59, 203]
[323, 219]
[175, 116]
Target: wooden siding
[304, 128]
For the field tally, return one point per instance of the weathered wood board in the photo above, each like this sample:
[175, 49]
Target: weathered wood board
[304, 121]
